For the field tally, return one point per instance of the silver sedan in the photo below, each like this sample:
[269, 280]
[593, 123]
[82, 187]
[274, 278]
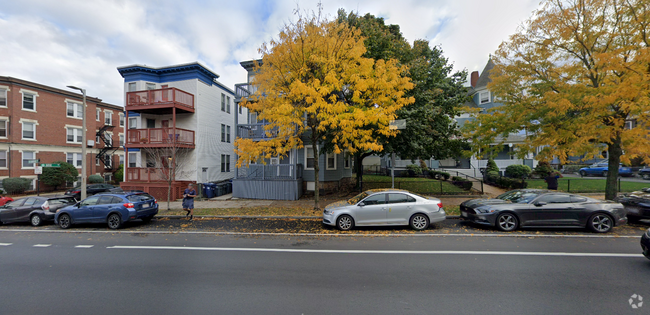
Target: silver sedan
[381, 207]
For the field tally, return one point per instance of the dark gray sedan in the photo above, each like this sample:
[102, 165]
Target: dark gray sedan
[34, 210]
[543, 208]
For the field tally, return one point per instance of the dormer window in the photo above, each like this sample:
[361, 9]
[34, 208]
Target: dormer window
[484, 97]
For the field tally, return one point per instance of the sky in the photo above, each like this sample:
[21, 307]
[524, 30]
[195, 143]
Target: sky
[82, 43]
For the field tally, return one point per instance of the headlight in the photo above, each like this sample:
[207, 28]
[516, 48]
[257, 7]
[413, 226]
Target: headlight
[486, 210]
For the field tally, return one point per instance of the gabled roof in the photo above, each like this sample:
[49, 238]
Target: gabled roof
[484, 78]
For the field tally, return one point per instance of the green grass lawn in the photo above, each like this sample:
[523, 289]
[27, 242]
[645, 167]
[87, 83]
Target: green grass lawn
[578, 185]
[414, 184]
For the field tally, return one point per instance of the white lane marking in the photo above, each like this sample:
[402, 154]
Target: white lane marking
[332, 234]
[348, 251]
[42, 245]
[84, 246]
[6, 244]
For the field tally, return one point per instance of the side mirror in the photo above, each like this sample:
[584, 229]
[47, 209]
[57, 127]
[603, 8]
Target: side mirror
[540, 203]
[361, 204]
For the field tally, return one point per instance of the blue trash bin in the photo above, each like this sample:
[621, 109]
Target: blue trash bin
[209, 190]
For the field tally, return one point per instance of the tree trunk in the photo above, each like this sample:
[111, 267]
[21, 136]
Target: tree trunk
[358, 167]
[314, 148]
[169, 194]
[614, 152]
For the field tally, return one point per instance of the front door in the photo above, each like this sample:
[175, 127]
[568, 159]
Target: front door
[373, 211]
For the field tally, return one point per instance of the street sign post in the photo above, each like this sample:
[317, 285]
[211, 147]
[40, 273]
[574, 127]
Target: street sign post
[38, 170]
[51, 165]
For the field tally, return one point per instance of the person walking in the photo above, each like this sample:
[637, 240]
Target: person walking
[551, 180]
[188, 201]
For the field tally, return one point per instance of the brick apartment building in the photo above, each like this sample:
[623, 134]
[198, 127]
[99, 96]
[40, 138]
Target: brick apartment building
[45, 123]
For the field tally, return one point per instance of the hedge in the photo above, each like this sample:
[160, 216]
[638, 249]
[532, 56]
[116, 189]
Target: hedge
[16, 185]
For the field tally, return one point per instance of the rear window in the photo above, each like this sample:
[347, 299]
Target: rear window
[62, 201]
[139, 197]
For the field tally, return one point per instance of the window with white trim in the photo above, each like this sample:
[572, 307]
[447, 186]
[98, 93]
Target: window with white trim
[97, 160]
[347, 159]
[74, 159]
[225, 163]
[309, 157]
[121, 119]
[3, 97]
[74, 135]
[29, 130]
[3, 127]
[228, 104]
[151, 86]
[121, 140]
[3, 159]
[132, 87]
[484, 97]
[223, 102]
[108, 118]
[223, 133]
[228, 134]
[133, 159]
[108, 177]
[29, 101]
[108, 161]
[121, 159]
[97, 114]
[330, 161]
[75, 110]
[133, 123]
[27, 156]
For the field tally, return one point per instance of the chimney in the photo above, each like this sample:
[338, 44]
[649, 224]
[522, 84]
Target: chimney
[474, 78]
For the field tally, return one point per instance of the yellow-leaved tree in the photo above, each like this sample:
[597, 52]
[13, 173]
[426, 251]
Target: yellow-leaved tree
[314, 84]
[576, 77]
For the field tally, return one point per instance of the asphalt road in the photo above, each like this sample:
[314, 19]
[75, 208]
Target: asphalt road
[185, 272]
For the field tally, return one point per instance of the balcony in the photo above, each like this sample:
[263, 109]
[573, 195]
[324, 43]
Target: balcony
[146, 174]
[243, 90]
[257, 131]
[160, 101]
[159, 138]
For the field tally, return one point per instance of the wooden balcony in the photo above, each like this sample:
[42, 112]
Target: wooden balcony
[160, 138]
[146, 174]
[160, 101]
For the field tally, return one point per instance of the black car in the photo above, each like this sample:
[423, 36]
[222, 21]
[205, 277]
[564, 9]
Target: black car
[645, 244]
[92, 189]
[644, 173]
[637, 204]
[35, 210]
[544, 208]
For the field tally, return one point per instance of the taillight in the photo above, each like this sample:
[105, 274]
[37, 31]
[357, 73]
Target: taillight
[440, 205]
[128, 205]
[45, 206]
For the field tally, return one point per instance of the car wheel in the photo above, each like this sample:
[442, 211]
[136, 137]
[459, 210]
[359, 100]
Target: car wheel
[645, 176]
[344, 223]
[419, 222]
[507, 222]
[64, 221]
[604, 173]
[583, 173]
[35, 220]
[114, 221]
[600, 223]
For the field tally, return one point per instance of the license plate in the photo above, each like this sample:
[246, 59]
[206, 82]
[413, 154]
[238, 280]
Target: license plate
[463, 214]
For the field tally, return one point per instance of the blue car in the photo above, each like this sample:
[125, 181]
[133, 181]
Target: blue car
[111, 208]
[600, 169]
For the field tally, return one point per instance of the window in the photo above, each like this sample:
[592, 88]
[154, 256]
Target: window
[628, 124]
[121, 140]
[3, 97]
[378, 199]
[29, 101]
[108, 161]
[74, 159]
[132, 87]
[28, 156]
[223, 102]
[121, 120]
[75, 110]
[133, 123]
[3, 128]
[108, 118]
[74, 135]
[97, 114]
[331, 161]
[225, 163]
[151, 86]
[108, 177]
[132, 159]
[554, 198]
[399, 198]
[223, 133]
[240, 108]
[3, 158]
[228, 134]
[29, 130]
[121, 159]
[97, 160]
[484, 97]
[347, 159]
[228, 104]
[309, 157]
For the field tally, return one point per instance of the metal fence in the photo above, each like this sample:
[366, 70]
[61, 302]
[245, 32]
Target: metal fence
[427, 187]
[586, 185]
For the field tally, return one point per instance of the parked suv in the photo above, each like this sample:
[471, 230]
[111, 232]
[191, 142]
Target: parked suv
[35, 210]
[111, 208]
[92, 189]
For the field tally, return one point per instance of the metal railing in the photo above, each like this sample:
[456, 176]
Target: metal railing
[172, 96]
[270, 172]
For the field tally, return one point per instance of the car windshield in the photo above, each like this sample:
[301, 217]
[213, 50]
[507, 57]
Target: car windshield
[519, 196]
[354, 200]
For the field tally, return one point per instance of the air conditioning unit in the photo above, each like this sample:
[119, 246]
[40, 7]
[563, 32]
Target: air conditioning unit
[91, 143]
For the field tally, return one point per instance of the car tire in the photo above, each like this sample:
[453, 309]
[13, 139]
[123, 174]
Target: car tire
[507, 222]
[604, 173]
[344, 222]
[114, 221]
[583, 173]
[419, 222]
[600, 223]
[64, 221]
[645, 176]
[35, 220]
